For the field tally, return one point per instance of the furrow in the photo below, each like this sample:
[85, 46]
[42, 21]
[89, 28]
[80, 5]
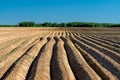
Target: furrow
[81, 69]
[10, 42]
[21, 68]
[55, 33]
[107, 40]
[60, 68]
[32, 70]
[115, 56]
[104, 41]
[59, 33]
[99, 69]
[102, 44]
[11, 59]
[64, 34]
[5, 51]
[104, 60]
[43, 65]
[7, 39]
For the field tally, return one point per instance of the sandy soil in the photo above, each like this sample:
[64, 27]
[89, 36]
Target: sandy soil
[59, 53]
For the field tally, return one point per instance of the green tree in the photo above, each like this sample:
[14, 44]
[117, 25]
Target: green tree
[27, 24]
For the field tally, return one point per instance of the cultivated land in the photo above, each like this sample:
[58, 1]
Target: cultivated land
[59, 53]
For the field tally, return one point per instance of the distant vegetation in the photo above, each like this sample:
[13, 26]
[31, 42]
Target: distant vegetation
[69, 24]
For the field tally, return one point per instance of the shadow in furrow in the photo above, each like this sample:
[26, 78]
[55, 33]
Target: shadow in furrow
[78, 71]
[93, 64]
[13, 65]
[32, 70]
[41, 39]
[59, 33]
[55, 72]
[102, 60]
[62, 34]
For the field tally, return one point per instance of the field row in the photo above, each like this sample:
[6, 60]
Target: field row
[59, 55]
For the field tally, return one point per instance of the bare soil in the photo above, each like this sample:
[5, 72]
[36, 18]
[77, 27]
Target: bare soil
[59, 53]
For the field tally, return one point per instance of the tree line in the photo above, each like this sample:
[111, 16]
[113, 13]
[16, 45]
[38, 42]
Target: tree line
[69, 24]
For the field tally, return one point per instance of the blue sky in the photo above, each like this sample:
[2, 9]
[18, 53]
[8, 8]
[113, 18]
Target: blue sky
[15, 11]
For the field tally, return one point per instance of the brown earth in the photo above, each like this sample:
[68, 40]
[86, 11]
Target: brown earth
[59, 53]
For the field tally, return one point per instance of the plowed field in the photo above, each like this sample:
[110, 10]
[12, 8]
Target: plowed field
[59, 53]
